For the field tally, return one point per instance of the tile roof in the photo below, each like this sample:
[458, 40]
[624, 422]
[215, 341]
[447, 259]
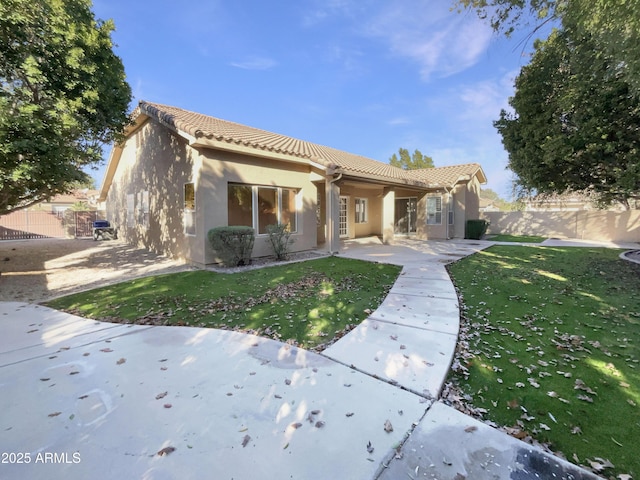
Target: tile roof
[203, 126]
[449, 175]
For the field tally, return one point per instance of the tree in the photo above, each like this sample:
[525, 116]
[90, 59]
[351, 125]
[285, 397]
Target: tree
[410, 162]
[63, 95]
[575, 125]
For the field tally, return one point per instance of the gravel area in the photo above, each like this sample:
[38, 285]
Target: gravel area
[35, 271]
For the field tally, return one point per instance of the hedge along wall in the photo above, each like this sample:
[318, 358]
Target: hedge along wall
[597, 225]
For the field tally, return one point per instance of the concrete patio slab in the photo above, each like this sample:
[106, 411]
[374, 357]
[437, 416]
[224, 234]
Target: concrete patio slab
[449, 445]
[231, 405]
[39, 331]
[431, 287]
[415, 359]
[437, 314]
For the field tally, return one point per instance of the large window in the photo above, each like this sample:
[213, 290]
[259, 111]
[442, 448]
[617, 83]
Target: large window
[361, 210]
[434, 210]
[189, 213]
[240, 205]
[257, 206]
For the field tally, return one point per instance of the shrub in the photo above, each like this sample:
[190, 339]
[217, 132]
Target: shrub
[280, 238]
[232, 244]
[476, 229]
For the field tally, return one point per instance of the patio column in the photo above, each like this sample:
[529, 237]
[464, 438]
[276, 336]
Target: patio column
[388, 214]
[332, 191]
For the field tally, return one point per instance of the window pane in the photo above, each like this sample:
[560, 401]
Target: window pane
[189, 197]
[434, 210]
[240, 206]
[361, 210]
[267, 208]
[288, 214]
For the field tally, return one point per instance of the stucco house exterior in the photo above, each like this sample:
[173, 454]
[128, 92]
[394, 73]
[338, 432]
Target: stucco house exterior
[177, 174]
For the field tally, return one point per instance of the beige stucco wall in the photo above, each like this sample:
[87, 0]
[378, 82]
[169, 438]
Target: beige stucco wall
[155, 160]
[373, 225]
[586, 225]
[158, 161]
[221, 168]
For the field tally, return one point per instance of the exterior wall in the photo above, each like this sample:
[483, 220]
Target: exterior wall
[157, 161]
[586, 225]
[373, 225]
[221, 168]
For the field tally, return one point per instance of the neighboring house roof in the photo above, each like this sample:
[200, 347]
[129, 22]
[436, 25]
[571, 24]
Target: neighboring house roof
[84, 195]
[448, 176]
[206, 131]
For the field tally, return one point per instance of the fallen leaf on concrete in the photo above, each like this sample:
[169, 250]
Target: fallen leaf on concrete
[106, 350]
[393, 337]
[161, 395]
[370, 447]
[320, 424]
[45, 379]
[287, 381]
[388, 427]
[166, 451]
[167, 405]
[246, 440]
[54, 414]
[471, 428]
[296, 425]
[350, 414]
[121, 361]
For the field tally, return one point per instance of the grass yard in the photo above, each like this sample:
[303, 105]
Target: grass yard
[308, 303]
[551, 350]
[516, 238]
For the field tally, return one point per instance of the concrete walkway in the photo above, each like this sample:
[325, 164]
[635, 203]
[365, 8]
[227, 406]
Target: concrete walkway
[86, 399]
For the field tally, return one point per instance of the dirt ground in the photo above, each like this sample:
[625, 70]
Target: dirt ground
[34, 271]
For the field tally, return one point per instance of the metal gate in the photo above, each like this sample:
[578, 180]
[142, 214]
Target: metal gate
[29, 224]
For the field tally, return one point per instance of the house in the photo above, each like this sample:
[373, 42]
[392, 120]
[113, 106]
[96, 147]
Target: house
[85, 198]
[177, 174]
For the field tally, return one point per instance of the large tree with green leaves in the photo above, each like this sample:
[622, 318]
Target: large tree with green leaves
[575, 124]
[63, 95]
[410, 162]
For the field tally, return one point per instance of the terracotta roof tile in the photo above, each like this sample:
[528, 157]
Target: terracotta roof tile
[198, 125]
[449, 175]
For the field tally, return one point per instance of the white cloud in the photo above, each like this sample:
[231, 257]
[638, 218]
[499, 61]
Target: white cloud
[255, 63]
[439, 41]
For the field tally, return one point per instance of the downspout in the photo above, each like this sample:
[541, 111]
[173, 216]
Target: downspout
[448, 192]
[331, 225]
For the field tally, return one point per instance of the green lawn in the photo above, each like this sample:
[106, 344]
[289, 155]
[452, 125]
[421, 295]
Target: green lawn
[516, 238]
[308, 303]
[553, 349]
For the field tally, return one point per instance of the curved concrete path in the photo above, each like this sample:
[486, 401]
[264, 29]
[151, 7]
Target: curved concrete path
[86, 399]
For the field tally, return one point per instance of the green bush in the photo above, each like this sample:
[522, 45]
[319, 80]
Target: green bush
[280, 238]
[476, 229]
[232, 244]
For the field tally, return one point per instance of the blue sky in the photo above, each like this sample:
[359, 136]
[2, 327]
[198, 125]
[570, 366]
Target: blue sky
[364, 76]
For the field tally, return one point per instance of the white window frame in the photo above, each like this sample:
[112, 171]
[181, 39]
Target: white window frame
[362, 210]
[254, 205]
[434, 217]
